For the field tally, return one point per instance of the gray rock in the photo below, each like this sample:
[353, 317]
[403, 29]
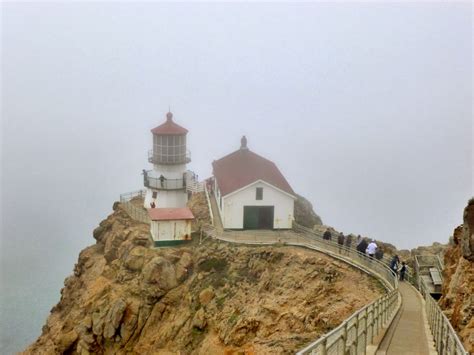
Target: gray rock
[161, 272]
[114, 317]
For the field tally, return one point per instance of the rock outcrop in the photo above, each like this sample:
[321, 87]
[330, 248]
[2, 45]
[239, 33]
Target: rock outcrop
[126, 297]
[457, 300]
[304, 213]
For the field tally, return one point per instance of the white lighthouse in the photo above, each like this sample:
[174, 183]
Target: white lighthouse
[166, 183]
[166, 192]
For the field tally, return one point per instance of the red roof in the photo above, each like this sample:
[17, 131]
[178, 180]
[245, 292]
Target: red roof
[169, 127]
[243, 167]
[168, 214]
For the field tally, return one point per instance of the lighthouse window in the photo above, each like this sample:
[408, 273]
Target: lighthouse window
[259, 193]
[154, 194]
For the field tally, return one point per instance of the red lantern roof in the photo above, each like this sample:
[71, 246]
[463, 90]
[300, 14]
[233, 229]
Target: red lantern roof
[169, 127]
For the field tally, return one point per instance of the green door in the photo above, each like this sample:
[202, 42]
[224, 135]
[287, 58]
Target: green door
[250, 217]
[258, 217]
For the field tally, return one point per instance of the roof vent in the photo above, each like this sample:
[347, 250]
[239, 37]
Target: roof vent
[243, 143]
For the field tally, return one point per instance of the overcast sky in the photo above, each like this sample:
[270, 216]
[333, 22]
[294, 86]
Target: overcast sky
[365, 108]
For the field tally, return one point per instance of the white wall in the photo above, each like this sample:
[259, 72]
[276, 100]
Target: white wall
[233, 206]
[170, 230]
[167, 199]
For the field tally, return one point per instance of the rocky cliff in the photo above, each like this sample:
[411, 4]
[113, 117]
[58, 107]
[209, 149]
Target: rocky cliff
[304, 213]
[457, 300]
[126, 297]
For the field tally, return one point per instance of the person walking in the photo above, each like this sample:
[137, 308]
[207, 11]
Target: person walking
[379, 254]
[349, 241]
[362, 245]
[327, 235]
[340, 242]
[394, 264]
[371, 249]
[403, 271]
[162, 180]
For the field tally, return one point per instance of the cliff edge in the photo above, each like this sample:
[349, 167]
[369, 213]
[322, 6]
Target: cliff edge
[127, 297]
[457, 299]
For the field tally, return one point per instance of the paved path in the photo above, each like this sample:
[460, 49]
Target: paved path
[409, 336]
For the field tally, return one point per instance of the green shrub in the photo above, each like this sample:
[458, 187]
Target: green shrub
[215, 264]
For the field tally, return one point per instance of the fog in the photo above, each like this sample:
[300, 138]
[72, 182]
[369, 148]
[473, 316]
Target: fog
[366, 109]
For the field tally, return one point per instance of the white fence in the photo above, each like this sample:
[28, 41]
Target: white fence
[208, 199]
[138, 213]
[444, 335]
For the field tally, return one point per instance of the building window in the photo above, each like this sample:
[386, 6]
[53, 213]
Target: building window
[154, 194]
[259, 193]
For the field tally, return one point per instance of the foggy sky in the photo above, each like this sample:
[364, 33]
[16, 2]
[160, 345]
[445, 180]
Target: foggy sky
[366, 109]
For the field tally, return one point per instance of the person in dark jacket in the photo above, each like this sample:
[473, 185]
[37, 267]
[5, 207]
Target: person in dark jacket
[403, 271]
[340, 242]
[362, 246]
[394, 264]
[349, 241]
[162, 180]
[379, 254]
[327, 235]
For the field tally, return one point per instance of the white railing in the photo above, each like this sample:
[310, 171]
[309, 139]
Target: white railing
[138, 213]
[195, 186]
[445, 337]
[358, 331]
[208, 199]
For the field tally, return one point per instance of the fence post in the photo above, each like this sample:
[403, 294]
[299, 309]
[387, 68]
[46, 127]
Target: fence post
[357, 335]
[344, 338]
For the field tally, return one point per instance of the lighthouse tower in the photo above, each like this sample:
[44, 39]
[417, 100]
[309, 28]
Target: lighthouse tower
[166, 183]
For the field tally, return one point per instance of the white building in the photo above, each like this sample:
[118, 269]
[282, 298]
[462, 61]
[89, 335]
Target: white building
[170, 226]
[166, 193]
[251, 192]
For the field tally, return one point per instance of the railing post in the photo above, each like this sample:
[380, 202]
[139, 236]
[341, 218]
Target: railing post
[324, 350]
[344, 337]
[357, 335]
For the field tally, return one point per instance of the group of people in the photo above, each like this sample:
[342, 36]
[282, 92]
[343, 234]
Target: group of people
[370, 249]
[397, 269]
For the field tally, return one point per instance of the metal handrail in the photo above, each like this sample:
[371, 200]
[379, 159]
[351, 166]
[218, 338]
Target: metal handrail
[208, 200]
[445, 337]
[138, 213]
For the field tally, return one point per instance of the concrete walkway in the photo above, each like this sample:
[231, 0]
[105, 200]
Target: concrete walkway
[409, 333]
